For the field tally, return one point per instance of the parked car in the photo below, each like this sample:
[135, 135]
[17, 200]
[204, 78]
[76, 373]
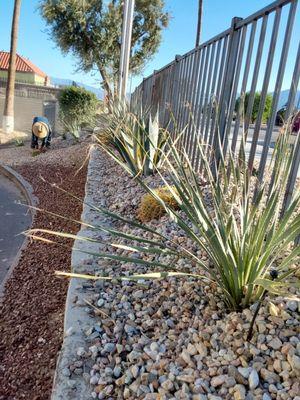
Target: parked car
[295, 119]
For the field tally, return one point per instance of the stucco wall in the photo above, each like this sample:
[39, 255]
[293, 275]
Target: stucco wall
[25, 110]
[25, 77]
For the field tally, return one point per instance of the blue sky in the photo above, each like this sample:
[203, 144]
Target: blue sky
[35, 44]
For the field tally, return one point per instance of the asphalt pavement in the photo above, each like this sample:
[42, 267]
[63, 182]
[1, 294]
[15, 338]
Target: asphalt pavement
[14, 219]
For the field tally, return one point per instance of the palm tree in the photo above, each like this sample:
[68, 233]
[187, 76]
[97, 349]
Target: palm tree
[8, 116]
[199, 25]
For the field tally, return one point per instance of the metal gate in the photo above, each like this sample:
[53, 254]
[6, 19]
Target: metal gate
[50, 112]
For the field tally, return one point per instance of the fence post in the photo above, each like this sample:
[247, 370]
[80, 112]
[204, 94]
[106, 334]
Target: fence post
[174, 96]
[226, 93]
[154, 97]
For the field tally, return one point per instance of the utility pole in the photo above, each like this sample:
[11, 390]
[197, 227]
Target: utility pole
[128, 9]
[199, 24]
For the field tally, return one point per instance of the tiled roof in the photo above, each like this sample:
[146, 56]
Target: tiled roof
[23, 65]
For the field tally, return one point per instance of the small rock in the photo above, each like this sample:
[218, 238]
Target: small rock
[294, 362]
[244, 371]
[167, 385]
[117, 372]
[66, 372]
[275, 344]
[266, 397]
[109, 347]
[239, 392]
[269, 376]
[100, 303]
[94, 380]
[191, 349]
[274, 310]
[135, 371]
[218, 380]
[80, 351]
[292, 305]
[119, 348]
[186, 378]
[138, 294]
[253, 379]
[202, 349]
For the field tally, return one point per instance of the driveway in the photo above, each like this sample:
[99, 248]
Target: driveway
[14, 219]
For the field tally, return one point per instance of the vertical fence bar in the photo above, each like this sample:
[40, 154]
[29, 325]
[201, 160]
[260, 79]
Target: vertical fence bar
[207, 94]
[282, 64]
[234, 87]
[200, 105]
[213, 88]
[182, 65]
[202, 90]
[194, 83]
[175, 90]
[213, 130]
[227, 87]
[244, 84]
[188, 98]
[296, 162]
[194, 135]
[294, 87]
[264, 91]
[251, 95]
[189, 62]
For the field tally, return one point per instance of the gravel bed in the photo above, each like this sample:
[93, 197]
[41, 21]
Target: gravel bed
[172, 338]
[31, 316]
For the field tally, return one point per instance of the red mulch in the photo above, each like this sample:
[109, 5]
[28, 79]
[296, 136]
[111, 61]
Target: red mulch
[31, 317]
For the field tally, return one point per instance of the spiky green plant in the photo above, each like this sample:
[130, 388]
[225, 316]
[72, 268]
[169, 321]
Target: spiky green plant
[134, 139]
[245, 241]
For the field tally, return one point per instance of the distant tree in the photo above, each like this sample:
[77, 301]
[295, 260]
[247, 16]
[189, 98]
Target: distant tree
[199, 23]
[8, 115]
[77, 108]
[257, 97]
[91, 30]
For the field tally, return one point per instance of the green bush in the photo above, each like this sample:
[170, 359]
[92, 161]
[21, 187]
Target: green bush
[257, 97]
[78, 108]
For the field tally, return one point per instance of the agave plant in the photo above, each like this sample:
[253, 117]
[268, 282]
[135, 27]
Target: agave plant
[134, 139]
[248, 242]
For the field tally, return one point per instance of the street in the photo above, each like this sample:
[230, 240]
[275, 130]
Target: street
[14, 219]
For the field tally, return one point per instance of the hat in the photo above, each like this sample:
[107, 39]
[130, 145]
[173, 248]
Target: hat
[40, 130]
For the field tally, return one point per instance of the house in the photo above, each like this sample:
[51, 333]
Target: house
[26, 71]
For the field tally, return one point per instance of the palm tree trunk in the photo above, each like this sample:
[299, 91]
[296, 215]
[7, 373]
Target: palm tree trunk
[8, 117]
[199, 25]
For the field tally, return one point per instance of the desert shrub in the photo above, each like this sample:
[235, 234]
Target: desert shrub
[134, 140]
[257, 97]
[150, 208]
[78, 108]
[248, 245]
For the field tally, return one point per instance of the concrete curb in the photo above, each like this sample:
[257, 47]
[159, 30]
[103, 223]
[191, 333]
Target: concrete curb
[27, 191]
[77, 319]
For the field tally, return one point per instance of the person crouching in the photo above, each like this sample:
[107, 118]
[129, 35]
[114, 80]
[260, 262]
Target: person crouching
[41, 129]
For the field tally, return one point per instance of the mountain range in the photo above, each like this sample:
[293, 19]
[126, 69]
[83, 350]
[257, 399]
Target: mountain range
[68, 82]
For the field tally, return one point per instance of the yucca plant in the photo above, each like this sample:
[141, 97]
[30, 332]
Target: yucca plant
[134, 139]
[248, 243]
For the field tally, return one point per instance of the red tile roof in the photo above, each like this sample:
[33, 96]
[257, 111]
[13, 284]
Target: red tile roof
[23, 65]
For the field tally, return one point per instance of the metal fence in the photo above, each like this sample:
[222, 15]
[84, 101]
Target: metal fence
[202, 88]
